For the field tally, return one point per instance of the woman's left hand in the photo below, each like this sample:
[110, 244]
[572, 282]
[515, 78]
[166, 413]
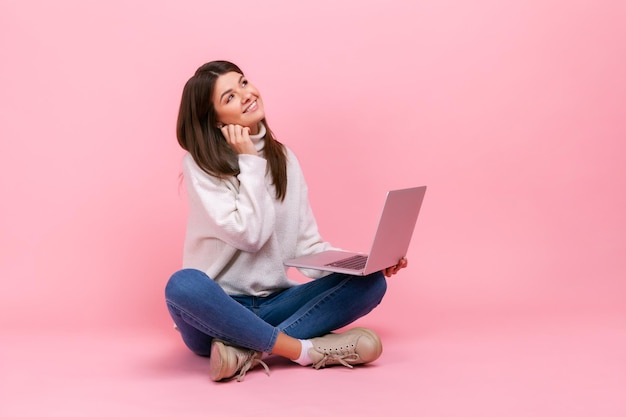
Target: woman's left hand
[394, 269]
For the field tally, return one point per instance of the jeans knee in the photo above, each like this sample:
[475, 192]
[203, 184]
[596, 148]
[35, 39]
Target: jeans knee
[372, 288]
[182, 283]
[378, 285]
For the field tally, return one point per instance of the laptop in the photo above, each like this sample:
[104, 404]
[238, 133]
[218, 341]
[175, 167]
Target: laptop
[391, 241]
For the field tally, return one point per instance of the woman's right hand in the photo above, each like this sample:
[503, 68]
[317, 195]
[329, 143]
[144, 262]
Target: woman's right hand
[238, 137]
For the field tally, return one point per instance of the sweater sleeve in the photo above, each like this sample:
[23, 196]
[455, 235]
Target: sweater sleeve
[308, 239]
[238, 211]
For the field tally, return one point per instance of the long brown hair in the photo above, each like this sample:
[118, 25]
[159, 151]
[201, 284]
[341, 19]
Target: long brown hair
[198, 134]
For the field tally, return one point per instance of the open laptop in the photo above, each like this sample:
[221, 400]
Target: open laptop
[391, 241]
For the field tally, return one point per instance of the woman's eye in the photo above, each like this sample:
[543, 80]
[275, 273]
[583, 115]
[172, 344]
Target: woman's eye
[229, 98]
[244, 83]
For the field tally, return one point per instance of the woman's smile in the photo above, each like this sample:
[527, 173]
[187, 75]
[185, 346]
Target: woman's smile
[252, 107]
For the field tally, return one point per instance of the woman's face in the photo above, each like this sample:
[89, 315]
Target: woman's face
[237, 101]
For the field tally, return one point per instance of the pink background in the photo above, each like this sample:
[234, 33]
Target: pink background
[512, 113]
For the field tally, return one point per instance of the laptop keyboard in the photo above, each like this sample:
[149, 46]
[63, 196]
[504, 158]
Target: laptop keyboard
[353, 262]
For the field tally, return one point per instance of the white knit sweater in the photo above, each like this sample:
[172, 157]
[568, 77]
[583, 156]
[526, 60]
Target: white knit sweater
[238, 233]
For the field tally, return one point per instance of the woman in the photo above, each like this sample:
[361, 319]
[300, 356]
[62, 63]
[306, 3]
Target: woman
[248, 212]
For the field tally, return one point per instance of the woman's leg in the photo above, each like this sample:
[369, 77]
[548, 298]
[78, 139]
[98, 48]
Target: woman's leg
[203, 311]
[323, 305]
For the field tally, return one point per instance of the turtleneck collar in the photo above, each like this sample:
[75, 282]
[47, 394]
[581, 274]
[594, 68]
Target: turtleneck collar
[259, 139]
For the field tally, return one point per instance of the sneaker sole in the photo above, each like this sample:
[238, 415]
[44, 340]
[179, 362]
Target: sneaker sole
[217, 365]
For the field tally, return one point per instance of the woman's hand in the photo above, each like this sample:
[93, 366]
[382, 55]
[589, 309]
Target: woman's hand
[238, 137]
[394, 269]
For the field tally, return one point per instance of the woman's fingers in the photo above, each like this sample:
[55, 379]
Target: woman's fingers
[392, 270]
[238, 137]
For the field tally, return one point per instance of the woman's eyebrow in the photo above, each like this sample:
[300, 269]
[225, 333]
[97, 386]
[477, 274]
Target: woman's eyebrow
[230, 89]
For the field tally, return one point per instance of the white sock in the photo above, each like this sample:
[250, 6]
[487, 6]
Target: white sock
[304, 358]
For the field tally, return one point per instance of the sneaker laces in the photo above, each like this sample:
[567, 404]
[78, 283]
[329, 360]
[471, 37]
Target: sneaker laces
[249, 362]
[335, 357]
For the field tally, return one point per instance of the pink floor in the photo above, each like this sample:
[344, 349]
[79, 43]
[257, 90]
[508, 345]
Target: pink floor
[553, 365]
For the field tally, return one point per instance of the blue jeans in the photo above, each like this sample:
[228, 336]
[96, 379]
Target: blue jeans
[202, 310]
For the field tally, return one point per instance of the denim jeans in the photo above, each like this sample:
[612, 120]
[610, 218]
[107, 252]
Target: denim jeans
[202, 310]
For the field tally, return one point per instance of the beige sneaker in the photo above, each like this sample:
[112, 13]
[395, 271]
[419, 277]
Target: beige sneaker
[226, 361]
[353, 347]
